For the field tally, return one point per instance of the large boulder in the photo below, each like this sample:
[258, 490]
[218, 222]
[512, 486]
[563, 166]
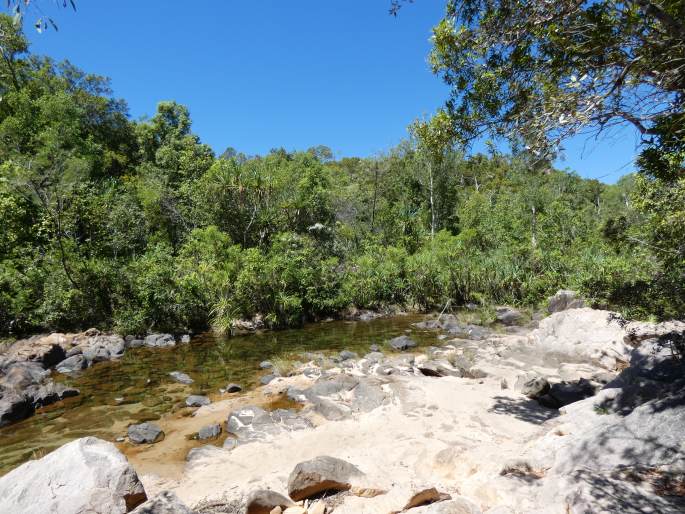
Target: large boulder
[583, 335]
[50, 393]
[87, 475]
[564, 300]
[47, 350]
[72, 364]
[321, 474]
[253, 423]
[165, 502]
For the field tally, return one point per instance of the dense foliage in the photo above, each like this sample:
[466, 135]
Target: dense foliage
[139, 226]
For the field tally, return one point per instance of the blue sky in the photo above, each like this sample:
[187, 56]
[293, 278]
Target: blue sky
[260, 74]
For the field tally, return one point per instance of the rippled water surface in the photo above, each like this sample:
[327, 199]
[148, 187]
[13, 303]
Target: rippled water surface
[137, 387]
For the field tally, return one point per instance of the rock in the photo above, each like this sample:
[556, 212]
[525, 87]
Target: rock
[20, 375]
[374, 357]
[50, 393]
[202, 452]
[145, 433]
[185, 338]
[135, 343]
[402, 343]
[582, 336]
[459, 505]
[564, 300]
[532, 385]
[425, 497]
[508, 315]
[319, 475]
[46, 350]
[565, 393]
[318, 507]
[347, 355]
[103, 348]
[432, 368]
[264, 501]
[86, 475]
[195, 400]
[165, 502]
[266, 365]
[180, 377]
[374, 348]
[159, 341]
[209, 432]
[266, 379]
[72, 364]
[253, 423]
[15, 407]
[233, 388]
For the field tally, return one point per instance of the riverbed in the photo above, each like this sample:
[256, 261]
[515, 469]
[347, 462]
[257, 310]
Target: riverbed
[138, 387]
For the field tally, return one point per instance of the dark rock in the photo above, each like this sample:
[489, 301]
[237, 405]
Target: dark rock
[209, 432]
[508, 315]
[104, 348]
[195, 400]
[565, 393]
[145, 433]
[264, 501]
[72, 364]
[180, 377]
[15, 407]
[346, 355]
[159, 341]
[402, 343]
[319, 475]
[51, 393]
[233, 388]
[165, 502]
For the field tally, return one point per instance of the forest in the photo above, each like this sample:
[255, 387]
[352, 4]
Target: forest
[137, 226]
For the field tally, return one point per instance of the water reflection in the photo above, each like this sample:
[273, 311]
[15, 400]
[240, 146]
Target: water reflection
[137, 387]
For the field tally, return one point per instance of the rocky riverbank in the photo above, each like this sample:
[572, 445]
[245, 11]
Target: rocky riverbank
[584, 413]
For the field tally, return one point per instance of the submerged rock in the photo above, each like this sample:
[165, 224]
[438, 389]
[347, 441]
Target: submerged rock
[145, 433]
[181, 377]
[402, 343]
[85, 475]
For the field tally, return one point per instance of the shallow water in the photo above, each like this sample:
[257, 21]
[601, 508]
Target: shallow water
[137, 387]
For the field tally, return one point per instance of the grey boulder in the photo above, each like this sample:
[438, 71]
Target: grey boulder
[165, 502]
[159, 341]
[508, 315]
[85, 475]
[14, 407]
[402, 343]
[72, 364]
[347, 355]
[145, 433]
[103, 348]
[321, 474]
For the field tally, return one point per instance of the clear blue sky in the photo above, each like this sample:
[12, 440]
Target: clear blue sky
[260, 74]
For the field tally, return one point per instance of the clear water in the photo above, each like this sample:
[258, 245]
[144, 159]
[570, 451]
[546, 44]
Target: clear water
[137, 387]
